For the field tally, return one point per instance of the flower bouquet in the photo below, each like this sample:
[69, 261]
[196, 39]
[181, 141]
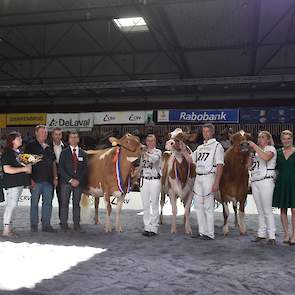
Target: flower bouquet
[26, 159]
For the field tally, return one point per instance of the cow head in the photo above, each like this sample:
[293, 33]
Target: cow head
[175, 137]
[240, 141]
[130, 144]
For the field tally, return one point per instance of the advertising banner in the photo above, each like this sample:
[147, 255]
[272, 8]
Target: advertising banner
[199, 116]
[70, 120]
[130, 117]
[25, 119]
[267, 115]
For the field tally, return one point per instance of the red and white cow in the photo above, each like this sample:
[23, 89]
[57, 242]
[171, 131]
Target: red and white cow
[109, 175]
[177, 179]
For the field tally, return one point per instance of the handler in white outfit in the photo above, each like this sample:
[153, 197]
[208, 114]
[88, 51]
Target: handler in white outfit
[262, 182]
[209, 160]
[150, 164]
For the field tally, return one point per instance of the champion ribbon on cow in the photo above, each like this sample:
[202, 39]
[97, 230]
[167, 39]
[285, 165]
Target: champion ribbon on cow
[118, 175]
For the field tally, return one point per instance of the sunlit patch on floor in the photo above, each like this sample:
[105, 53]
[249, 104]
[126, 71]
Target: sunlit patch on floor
[23, 265]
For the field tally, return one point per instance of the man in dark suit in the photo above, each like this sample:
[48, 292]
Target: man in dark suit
[73, 174]
[57, 146]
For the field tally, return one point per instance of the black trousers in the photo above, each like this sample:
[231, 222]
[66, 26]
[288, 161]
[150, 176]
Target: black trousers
[66, 191]
[58, 195]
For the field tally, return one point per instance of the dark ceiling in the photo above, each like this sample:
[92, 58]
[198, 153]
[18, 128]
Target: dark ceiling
[69, 54]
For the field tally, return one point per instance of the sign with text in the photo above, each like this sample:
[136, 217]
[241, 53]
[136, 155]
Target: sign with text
[112, 118]
[68, 121]
[199, 116]
[19, 119]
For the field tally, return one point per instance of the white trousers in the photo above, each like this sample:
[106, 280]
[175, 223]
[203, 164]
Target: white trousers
[263, 193]
[204, 204]
[150, 194]
[11, 196]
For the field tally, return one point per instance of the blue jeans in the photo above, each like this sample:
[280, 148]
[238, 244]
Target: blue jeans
[46, 190]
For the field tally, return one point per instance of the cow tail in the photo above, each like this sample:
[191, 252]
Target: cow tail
[84, 201]
[85, 209]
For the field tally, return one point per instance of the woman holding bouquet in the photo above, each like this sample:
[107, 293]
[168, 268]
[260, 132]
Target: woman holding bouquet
[15, 177]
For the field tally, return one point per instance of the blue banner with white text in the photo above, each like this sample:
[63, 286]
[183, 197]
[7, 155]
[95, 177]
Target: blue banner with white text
[201, 116]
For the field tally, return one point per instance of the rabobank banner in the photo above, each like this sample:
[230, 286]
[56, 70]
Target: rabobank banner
[199, 116]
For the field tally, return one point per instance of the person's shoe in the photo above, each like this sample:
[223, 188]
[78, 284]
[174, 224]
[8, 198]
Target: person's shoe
[65, 227]
[207, 238]
[152, 234]
[258, 239]
[292, 243]
[34, 228]
[49, 229]
[271, 242]
[146, 233]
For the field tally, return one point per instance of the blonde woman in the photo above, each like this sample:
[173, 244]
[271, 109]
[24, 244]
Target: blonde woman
[263, 183]
[284, 192]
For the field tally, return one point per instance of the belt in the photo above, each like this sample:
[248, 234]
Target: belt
[150, 178]
[266, 177]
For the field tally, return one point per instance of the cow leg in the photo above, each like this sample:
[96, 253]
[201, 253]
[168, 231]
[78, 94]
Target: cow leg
[120, 201]
[173, 200]
[187, 210]
[96, 205]
[108, 223]
[162, 203]
[242, 226]
[235, 207]
[225, 216]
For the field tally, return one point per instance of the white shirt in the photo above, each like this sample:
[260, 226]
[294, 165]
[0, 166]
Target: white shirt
[261, 168]
[207, 156]
[57, 150]
[150, 163]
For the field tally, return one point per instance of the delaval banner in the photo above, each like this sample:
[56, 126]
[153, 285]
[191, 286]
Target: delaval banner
[112, 118]
[68, 121]
[199, 116]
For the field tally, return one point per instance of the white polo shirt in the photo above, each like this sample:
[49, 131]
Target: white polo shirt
[262, 169]
[207, 156]
[150, 163]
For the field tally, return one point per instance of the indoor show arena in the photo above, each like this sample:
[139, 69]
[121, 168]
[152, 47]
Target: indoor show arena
[146, 147]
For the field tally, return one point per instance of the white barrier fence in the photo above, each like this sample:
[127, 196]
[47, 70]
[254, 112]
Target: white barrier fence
[133, 202]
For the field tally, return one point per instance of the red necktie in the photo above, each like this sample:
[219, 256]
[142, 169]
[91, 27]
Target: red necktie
[74, 160]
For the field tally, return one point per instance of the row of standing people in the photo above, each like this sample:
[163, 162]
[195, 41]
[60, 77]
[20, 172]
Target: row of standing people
[63, 168]
[272, 181]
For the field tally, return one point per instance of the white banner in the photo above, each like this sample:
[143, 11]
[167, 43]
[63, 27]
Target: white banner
[163, 116]
[68, 121]
[110, 118]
